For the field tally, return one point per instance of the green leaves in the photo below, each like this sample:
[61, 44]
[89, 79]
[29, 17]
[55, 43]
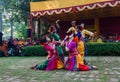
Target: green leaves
[34, 51]
[104, 49]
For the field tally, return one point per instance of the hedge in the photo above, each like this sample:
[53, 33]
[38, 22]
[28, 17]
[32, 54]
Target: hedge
[94, 49]
[103, 49]
[34, 51]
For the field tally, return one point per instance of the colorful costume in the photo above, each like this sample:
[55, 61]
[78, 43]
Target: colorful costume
[49, 49]
[73, 30]
[56, 61]
[84, 32]
[81, 46]
[78, 38]
[75, 61]
[59, 50]
[47, 43]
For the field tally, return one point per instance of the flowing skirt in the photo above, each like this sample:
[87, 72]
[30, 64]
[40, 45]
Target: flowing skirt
[75, 63]
[53, 63]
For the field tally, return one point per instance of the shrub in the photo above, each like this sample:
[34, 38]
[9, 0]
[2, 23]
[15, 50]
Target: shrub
[96, 49]
[103, 49]
[34, 51]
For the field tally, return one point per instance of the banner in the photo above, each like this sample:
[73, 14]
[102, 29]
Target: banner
[55, 4]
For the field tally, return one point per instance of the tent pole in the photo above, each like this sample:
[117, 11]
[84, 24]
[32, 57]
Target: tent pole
[97, 27]
[31, 27]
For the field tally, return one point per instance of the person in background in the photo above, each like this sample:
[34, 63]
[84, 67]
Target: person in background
[11, 47]
[21, 42]
[4, 49]
[99, 39]
[15, 42]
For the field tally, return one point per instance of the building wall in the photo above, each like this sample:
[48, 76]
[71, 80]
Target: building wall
[110, 26]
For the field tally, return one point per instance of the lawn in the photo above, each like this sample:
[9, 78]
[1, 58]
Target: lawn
[17, 69]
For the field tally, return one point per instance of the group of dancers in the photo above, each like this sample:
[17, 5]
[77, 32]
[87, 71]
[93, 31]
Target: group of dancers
[74, 44]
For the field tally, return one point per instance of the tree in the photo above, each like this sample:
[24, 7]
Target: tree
[20, 29]
[20, 10]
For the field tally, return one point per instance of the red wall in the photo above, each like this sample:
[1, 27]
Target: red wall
[64, 27]
[110, 26]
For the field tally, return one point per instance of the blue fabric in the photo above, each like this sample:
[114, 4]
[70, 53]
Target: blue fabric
[1, 53]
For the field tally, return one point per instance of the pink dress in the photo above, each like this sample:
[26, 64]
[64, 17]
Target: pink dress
[75, 61]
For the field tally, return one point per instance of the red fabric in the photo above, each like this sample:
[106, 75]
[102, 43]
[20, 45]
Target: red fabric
[108, 27]
[44, 44]
[118, 38]
[75, 39]
[52, 65]
[56, 63]
[68, 67]
[84, 67]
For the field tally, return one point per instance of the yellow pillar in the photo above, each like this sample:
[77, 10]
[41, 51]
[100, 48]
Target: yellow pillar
[97, 27]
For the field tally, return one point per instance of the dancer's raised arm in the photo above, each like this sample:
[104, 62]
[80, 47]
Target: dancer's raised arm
[73, 28]
[57, 24]
[62, 42]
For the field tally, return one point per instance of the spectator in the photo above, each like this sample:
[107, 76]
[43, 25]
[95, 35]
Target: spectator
[11, 47]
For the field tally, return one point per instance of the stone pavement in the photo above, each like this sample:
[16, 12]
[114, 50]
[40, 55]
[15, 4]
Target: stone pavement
[109, 71]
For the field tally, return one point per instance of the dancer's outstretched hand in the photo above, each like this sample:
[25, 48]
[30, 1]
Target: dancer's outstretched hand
[57, 21]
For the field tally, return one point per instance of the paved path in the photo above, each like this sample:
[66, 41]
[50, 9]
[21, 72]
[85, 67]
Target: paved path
[109, 71]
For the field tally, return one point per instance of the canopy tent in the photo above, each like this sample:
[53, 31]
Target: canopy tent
[55, 4]
[51, 9]
[68, 10]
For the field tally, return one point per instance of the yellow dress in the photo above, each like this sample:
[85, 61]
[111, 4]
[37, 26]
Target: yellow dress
[86, 32]
[73, 30]
[81, 48]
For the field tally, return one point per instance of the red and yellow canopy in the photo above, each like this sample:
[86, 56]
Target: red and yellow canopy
[64, 6]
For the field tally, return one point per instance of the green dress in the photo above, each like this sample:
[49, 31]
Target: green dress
[56, 61]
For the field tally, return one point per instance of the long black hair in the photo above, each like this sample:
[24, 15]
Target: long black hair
[79, 27]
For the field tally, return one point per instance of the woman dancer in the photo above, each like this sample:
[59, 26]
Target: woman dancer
[57, 59]
[73, 28]
[48, 44]
[75, 61]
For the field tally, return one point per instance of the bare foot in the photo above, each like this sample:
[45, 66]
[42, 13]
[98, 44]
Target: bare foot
[94, 67]
[33, 67]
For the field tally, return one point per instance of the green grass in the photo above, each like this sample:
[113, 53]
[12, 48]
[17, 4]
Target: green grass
[17, 69]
